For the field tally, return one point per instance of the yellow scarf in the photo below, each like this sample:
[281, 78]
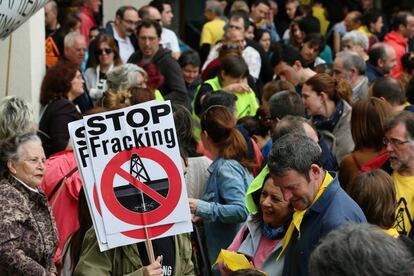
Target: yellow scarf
[298, 214]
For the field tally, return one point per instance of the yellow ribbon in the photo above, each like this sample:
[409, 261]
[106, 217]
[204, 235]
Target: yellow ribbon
[299, 214]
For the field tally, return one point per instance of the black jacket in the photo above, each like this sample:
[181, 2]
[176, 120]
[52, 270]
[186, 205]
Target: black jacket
[173, 88]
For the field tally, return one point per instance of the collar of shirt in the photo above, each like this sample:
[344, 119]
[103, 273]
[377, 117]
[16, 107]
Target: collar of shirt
[28, 187]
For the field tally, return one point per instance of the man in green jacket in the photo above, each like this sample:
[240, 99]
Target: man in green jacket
[132, 260]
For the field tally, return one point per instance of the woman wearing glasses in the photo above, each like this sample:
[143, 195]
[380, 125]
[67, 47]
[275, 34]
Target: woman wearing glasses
[28, 237]
[105, 57]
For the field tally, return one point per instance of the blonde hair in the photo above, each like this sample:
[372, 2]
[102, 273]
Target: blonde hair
[115, 99]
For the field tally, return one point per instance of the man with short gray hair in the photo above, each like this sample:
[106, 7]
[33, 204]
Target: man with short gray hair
[357, 42]
[75, 49]
[351, 67]
[321, 205]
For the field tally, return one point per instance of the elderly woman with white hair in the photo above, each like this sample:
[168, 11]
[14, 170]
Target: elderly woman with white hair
[127, 76]
[28, 236]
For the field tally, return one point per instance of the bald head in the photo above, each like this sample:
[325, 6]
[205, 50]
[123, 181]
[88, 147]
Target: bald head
[149, 13]
[382, 56]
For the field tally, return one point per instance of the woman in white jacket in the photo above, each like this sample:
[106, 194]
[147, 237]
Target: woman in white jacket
[105, 56]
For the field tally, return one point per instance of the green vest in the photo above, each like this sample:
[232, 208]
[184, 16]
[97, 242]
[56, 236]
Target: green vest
[158, 96]
[246, 103]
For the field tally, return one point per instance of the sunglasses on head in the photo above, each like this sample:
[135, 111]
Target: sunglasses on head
[106, 50]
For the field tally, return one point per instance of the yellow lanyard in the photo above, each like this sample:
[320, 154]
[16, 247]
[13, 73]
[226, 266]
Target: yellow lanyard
[392, 232]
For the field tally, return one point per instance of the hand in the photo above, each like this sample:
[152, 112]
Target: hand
[240, 87]
[269, 19]
[154, 269]
[195, 219]
[193, 205]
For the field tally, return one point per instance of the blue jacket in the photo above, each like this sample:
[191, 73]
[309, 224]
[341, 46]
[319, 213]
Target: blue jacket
[222, 206]
[333, 209]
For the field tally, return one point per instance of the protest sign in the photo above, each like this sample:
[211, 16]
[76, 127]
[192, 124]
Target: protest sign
[117, 182]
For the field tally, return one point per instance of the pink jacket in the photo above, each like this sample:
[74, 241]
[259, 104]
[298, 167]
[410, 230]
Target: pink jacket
[64, 203]
[400, 46]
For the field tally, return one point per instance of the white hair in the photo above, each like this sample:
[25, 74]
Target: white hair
[71, 37]
[16, 116]
[124, 76]
[357, 38]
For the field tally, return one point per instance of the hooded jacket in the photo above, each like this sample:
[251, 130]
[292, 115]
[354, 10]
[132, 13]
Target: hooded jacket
[173, 88]
[400, 46]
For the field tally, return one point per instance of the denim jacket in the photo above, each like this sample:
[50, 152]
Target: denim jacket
[222, 206]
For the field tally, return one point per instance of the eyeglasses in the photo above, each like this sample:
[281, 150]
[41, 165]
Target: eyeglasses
[230, 46]
[394, 142]
[104, 50]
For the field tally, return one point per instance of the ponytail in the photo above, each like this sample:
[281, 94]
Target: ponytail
[336, 90]
[115, 99]
[343, 90]
[235, 147]
[220, 125]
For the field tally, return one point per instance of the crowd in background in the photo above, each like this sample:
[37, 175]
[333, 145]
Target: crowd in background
[295, 125]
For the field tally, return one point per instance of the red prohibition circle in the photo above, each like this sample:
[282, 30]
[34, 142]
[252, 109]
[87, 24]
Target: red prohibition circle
[137, 233]
[167, 204]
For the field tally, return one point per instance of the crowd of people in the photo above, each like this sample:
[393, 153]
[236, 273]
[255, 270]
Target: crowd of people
[295, 126]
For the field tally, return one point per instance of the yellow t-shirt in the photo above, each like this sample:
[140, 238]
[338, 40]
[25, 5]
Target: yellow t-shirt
[319, 13]
[212, 32]
[404, 186]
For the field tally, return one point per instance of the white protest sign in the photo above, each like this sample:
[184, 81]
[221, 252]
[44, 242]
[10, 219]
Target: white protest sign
[77, 137]
[135, 158]
[13, 13]
[105, 242]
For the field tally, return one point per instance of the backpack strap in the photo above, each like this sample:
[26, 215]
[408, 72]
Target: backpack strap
[61, 181]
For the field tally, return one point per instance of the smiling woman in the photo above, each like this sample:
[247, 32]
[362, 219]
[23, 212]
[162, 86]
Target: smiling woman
[259, 238]
[28, 237]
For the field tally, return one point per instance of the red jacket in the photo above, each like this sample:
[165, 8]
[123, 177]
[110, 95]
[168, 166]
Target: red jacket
[400, 46]
[87, 22]
[64, 202]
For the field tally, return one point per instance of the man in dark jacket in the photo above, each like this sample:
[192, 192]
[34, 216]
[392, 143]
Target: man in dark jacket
[150, 50]
[382, 61]
[321, 205]
[123, 31]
